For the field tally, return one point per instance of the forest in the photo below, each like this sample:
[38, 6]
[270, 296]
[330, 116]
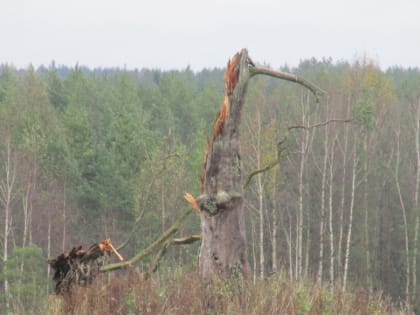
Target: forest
[331, 185]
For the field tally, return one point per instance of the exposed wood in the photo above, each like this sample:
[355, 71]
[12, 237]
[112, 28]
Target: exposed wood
[224, 221]
[223, 246]
[151, 248]
[186, 240]
[79, 266]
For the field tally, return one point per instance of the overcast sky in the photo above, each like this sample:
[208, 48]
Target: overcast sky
[174, 34]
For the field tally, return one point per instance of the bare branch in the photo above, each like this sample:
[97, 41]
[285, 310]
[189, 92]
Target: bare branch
[317, 91]
[186, 240]
[319, 124]
[262, 170]
[176, 241]
[277, 161]
[148, 250]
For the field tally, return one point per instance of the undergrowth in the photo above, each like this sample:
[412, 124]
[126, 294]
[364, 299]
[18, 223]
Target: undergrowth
[183, 293]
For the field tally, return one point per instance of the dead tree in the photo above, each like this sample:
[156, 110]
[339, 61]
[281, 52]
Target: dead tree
[220, 204]
[80, 267]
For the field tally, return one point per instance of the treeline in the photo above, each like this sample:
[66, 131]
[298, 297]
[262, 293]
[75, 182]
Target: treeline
[90, 154]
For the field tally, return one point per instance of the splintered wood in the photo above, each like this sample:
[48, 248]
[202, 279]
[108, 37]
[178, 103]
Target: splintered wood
[231, 79]
[192, 201]
[80, 266]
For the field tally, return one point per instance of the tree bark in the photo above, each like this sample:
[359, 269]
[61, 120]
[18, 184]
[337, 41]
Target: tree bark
[221, 205]
[404, 215]
[349, 231]
[416, 205]
[323, 196]
[6, 189]
[330, 215]
[274, 226]
[344, 150]
[223, 245]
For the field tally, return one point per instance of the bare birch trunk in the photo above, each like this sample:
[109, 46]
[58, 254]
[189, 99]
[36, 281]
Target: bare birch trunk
[307, 246]
[366, 208]
[322, 220]
[254, 254]
[404, 214]
[30, 201]
[342, 203]
[349, 231]
[274, 226]
[260, 192]
[6, 189]
[330, 215]
[299, 227]
[288, 234]
[416, 204]
[261, 221]
[25, 206]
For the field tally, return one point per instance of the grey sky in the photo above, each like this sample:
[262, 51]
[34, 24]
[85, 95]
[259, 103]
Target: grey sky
[205, 33]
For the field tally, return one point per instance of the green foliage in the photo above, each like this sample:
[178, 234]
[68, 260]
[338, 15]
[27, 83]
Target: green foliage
[303, 300]
[25, 272]
[97, 150]
[363, 113]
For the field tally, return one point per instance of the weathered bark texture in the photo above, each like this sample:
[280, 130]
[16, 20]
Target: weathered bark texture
[221, 206]
[223, 245]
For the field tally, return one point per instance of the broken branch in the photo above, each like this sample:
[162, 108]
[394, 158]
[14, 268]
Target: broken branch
[148, 250]
[288, 77]
[176, 241]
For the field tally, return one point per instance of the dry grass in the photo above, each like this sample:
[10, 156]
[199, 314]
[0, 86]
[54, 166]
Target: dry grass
[183, 293]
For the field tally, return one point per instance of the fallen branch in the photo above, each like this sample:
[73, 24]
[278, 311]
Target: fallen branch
[176, 241]
[148, 250]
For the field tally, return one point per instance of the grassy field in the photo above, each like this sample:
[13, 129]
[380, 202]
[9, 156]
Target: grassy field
[182, 292]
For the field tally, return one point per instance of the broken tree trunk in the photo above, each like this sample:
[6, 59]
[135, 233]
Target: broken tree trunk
[80, 267]
[223, 244]
[221, 205]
